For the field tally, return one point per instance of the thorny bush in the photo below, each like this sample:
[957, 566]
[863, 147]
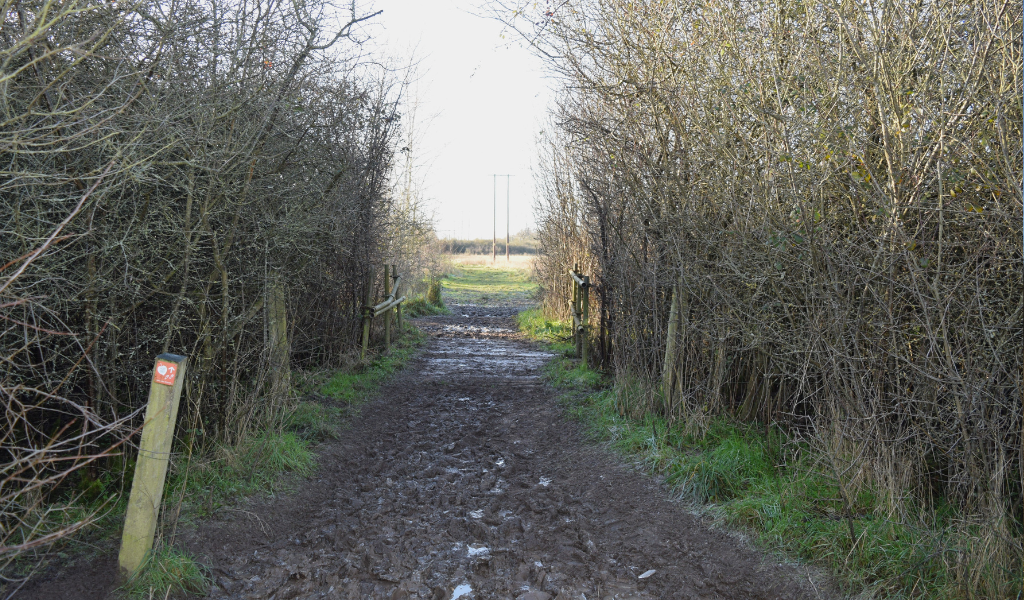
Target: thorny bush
[194, 176]
[830, 192]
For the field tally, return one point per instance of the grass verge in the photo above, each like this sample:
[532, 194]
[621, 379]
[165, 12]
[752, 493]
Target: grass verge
[217, 476]
[352, 386]
[167, 572]
[778, 489]
[421, 307]
[223, 474]
[489, 284]
[428, 304]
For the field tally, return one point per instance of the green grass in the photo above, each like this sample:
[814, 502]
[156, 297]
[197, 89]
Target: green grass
[557, 335]
[221, 475]
[421, 307]
[167, 572]
[565, 371]
[356, 385]
[774, 488]
[431, 302]
[569, 373]
[315, 421]
[485, 284]
[781, 491]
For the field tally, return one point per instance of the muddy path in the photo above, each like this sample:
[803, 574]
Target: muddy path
[465, 481]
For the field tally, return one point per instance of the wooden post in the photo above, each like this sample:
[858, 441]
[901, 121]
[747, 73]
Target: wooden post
[151, 467]
[584, 318]
[668, 370]
[398, 294]
[576, 311]
[387, 313]
[367, 314]
[280, 353]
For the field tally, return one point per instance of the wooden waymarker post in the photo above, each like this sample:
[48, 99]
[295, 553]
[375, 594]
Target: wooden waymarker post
[151, 467]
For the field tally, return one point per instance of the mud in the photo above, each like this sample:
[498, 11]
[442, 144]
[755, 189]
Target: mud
[464, 481]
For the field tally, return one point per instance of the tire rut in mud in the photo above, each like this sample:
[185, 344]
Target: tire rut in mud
[465, 481]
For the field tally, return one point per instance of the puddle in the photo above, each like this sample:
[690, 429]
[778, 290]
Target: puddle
[471, 329]
[544, 481]
[493, 359]
[462, 590]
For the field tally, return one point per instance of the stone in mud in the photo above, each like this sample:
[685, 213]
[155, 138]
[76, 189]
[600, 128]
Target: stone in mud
[535, 595]
[481, 532]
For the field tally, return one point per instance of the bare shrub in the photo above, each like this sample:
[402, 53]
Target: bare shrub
[171, 175]
[834, 191]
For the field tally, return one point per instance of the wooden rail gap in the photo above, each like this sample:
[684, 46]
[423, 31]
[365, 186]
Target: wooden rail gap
[580, 305]
[391, 303]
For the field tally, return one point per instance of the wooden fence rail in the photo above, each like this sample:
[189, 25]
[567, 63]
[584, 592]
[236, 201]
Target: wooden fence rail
[392, 303]
[580, 304]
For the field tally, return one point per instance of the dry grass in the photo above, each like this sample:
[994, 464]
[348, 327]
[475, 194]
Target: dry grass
[522, 262]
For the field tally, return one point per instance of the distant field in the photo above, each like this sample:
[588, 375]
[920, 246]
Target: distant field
[516, 261]
[520, 244]
[474, 280]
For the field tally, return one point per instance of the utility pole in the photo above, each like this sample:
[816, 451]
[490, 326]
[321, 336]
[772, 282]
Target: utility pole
[508, 238]
[494, 233]
[494, 222]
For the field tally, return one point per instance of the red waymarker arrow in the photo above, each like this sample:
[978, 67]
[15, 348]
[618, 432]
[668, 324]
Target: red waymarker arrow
[165, 372]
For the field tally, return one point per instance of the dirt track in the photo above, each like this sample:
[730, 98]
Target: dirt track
[464, 481]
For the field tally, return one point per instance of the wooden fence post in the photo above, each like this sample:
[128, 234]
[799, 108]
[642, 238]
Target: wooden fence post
[280, 352]
[576, 311]
[151, 466]
[398, 294]
[668, 370]
[387, 313]
[584, 318]
[367, 313]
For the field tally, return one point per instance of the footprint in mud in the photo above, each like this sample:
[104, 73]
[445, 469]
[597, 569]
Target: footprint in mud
[463, 482]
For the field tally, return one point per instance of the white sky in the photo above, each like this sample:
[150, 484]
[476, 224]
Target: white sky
[487, 97]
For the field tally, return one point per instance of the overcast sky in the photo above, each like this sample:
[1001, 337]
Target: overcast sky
[485, 99]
